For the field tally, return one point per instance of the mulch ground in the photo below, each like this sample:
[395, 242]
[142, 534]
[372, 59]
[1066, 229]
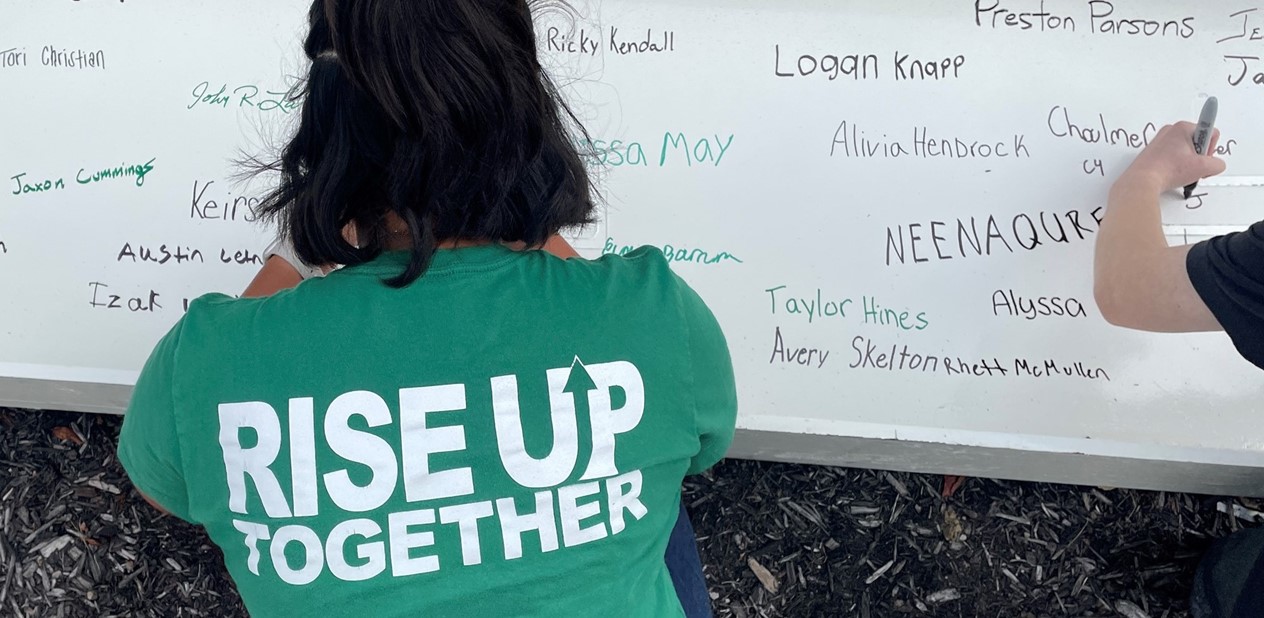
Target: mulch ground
[777, 540]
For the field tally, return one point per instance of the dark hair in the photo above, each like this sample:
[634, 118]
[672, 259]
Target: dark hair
[436, 110]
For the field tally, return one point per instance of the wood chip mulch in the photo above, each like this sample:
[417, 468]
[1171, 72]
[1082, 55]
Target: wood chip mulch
[777, 540]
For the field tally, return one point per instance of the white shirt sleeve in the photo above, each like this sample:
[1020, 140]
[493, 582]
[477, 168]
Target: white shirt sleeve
[284, 249]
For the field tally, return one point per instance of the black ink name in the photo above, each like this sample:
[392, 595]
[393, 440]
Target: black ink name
[21, 186]
[225, 208]
[1006, 302]
[241, 257]
[12, 57]
[180, 254]
[859, 67]
[651, 44]
[1102, 21]
[1023, 230]
[1051, 368]
[134, 304]
[831, 66]
[786, 355]
[1023, 20]
[850, 141]
[870, 355]
[1248, 70]
[572, 43]
[72, 58]
[162, 255]
[1249, 32]
[1099, 132]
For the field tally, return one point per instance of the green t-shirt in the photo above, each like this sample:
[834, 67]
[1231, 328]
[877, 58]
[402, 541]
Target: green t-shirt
[504, 437]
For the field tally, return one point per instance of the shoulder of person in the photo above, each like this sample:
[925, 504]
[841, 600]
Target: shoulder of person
[215, 307]
[643, 257]
[648, 270]
[645, 265]
[213, 301]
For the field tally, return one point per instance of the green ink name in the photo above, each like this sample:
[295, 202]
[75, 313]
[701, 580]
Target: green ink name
[674, 149]
[139, 171]
[245, 96]
[818, 305]
[39, 186]
[675, 254]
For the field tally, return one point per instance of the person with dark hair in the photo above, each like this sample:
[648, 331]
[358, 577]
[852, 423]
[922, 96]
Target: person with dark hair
[454, 422]
[1215, 285]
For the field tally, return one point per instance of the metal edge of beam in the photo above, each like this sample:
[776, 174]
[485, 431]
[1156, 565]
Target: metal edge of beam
[64, 396]
[999, 463]
[828, 450]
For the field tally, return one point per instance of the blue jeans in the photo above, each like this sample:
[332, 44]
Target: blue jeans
[685, 567]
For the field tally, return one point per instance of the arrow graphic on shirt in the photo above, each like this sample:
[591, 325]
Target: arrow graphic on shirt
[579, 384]
[579, 381]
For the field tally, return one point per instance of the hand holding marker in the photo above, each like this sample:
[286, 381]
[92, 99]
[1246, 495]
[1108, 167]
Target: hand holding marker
[1202, 135]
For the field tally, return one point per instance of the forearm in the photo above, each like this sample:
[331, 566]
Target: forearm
[1131, 234]
[276, 275]
[151, 502]
[1139, 281]
[559, 247]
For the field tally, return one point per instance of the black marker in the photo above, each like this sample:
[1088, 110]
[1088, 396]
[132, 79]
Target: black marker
[1202, 135]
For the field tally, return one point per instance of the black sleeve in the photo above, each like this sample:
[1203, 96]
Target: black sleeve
[1228, 273]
